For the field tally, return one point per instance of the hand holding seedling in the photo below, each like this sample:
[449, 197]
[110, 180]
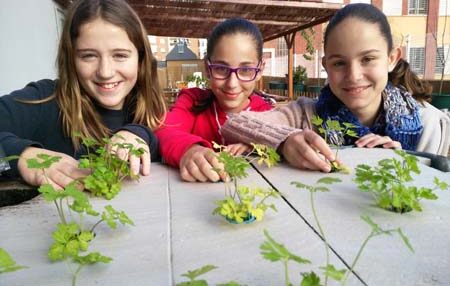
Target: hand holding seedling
[302, 150]
[58, 173]
[373, 140]
[121, 140]
[198, 164]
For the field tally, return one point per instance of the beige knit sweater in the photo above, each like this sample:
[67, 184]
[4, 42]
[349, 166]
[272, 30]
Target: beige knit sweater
[274, 127]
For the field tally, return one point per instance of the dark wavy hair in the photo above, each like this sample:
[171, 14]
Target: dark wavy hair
[228, 27]
[401, 75]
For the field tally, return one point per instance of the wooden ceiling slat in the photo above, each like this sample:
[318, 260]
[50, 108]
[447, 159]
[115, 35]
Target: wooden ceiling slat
[196, 18]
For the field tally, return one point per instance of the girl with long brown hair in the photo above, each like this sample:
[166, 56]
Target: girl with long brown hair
[107, 84]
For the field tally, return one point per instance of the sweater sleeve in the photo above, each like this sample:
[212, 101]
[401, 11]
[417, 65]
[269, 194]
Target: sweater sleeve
[175, 135]
[435, 137]
[271, 127]
[20, 121]
[147, 135]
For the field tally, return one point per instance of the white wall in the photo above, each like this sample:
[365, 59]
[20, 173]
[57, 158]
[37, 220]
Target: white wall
[28, 42]
[392, 7]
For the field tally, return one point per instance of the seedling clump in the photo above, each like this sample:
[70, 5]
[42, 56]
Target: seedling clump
[388, 183]
[242, 203]
[334, 134]
[72, 236]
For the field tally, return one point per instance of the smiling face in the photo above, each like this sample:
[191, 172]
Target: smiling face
[357, 61]
[106, 62]
[236, 50]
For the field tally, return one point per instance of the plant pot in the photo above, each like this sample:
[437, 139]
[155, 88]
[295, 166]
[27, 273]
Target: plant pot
[277, 85]
[441, 101]
[14, 192]
[313, 88]
[299, 87]
[248, 220]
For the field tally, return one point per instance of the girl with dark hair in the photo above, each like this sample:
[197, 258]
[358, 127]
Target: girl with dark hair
[369, 85]
[107, 84]
[234, 64]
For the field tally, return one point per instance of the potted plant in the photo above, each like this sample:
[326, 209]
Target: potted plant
[244, 204]
[300, 76]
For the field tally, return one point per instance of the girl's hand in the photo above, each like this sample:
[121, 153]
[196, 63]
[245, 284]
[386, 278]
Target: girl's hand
[372, 140]
[302, 149]
[59, 175]
[135, 162]
[197, 164]
[238, 149]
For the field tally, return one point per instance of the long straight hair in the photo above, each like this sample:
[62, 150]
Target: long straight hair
[78, 113]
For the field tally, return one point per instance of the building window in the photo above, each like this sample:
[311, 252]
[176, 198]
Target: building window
[440, 60]
[417, 7]
[417, 60]
[180, 47]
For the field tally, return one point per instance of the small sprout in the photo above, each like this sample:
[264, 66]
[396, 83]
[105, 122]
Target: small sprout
[241, 203]
[334, 134]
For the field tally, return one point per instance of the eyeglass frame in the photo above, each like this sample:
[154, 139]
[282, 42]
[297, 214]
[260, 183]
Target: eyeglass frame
[234, 70]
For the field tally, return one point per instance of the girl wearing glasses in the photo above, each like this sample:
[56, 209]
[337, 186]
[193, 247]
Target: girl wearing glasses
[234, 64]
[369, 86]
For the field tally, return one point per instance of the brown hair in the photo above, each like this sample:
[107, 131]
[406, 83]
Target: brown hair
[402, 73]
[78, 112]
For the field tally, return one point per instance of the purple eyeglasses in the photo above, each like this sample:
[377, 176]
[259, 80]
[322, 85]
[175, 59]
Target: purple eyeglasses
[219, 71]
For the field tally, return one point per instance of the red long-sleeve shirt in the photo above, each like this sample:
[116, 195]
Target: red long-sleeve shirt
[182, 128]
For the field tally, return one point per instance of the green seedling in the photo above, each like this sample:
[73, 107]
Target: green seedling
[334, 134]
[72, 236]
[274, 251]
[7, 263]
[108, 170]
[193, 274]
[243, 203]
[388, 183]
[319, 187]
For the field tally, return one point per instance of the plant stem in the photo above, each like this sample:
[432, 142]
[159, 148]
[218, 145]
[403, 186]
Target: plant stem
[286, 272]
[95, 225]
[74, 275]
[363, 245]
[322, 233]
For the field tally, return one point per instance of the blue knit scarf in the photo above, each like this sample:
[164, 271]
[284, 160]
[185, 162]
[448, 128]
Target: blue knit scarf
[399, 119]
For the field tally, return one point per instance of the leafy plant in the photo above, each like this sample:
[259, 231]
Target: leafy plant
[387, 182]
[334, 134]
[330, 271]
[7, 263]
[107, 169]
[193, 274]
[72, 237]
[243, 203]
[199, 81]
[300, 76]
[319, 187]
[274, 251]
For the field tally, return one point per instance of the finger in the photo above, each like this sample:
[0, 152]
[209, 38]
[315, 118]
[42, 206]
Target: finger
[313, 161]
[186, 176]
[206, 166]
[214, 166]
[393, 145]
[146, 162]
[241, 150]
[318, 143]
[135, 164]
[196, 173]
[122, 154]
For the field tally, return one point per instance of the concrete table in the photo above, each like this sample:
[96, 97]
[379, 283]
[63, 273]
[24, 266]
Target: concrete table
[140, 252]
[385, 260]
